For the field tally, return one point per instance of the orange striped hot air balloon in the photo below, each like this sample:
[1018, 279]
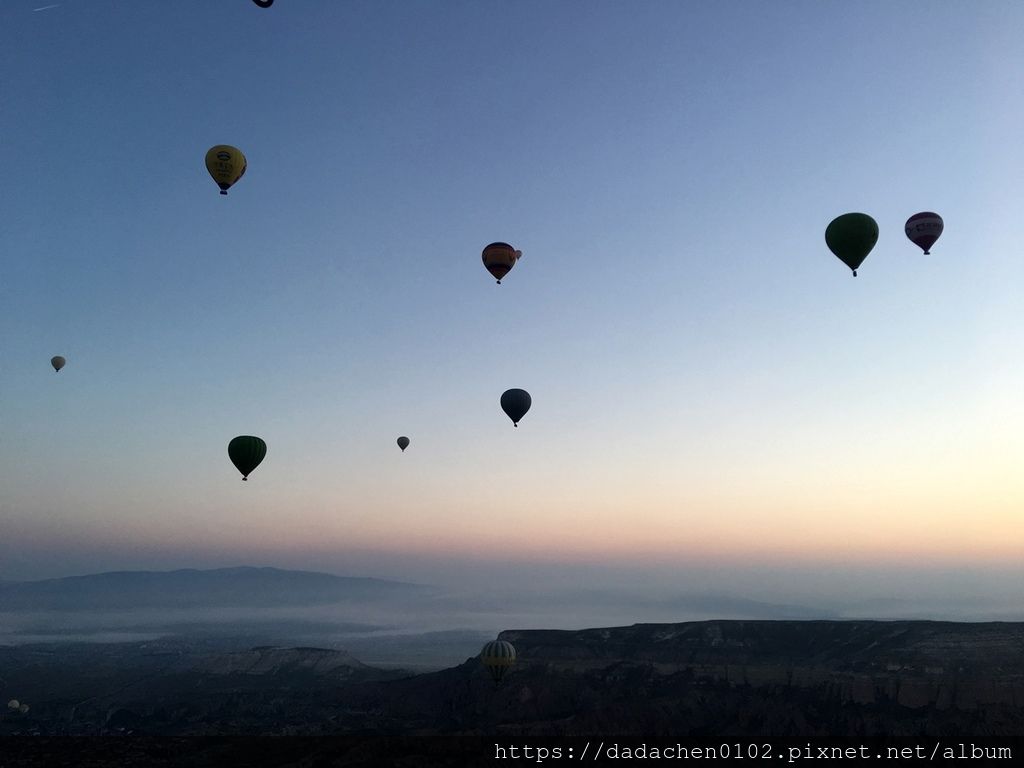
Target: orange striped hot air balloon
[499, 258]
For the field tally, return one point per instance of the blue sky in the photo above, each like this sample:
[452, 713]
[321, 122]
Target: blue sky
[708, 380]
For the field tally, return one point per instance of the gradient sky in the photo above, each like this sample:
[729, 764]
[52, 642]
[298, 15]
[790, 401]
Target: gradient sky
[710, 385]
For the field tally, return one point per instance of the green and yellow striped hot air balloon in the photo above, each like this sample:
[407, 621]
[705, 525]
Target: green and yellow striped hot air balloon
[497, 656]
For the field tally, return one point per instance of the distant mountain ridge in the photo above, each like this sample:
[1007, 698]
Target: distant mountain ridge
[192, 588]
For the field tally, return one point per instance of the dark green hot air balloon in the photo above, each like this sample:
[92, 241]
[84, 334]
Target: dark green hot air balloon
[246, 452]
[515, 403]
[497, 656]
[851, 237]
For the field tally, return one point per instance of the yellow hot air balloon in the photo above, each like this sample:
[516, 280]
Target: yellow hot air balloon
[226, 165]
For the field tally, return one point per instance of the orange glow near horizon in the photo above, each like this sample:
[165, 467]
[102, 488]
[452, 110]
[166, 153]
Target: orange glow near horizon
[946, 491]
[708, 531]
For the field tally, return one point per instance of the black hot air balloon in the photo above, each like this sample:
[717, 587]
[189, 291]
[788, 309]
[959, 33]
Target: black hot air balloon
[515, 403]
[403, 443]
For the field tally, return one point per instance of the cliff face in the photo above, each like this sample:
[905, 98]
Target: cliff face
[730, 679]
[910, 663]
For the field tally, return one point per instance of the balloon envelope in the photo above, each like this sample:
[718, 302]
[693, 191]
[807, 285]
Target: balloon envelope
[851, 238]
[499, 258]
[246, 452]
[403, 443]
[515, 403]
[924, 229]
[497, 656]
[57, 362]
[264, 3]
[226, 165]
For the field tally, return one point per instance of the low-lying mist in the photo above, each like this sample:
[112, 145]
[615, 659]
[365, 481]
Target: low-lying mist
[399, 623]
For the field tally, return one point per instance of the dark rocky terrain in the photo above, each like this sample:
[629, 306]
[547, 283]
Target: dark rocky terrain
[702, 682]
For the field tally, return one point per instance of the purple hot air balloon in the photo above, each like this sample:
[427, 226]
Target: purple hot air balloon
[924, 229]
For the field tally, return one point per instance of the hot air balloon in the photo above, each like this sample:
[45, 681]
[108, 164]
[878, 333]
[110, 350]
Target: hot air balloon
[57, 362]
[13, 704]
[924, 229]
[226, 165]
[851, 237]
[403, 443]
[497, 656]
[499, 258]
[264, 3]
[23, 709]
[515, 403]
[246, 452]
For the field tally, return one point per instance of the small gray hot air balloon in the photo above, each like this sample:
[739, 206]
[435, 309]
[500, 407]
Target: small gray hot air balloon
[515, 403]
[13, 704]
[57, 362]
[403, 443]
